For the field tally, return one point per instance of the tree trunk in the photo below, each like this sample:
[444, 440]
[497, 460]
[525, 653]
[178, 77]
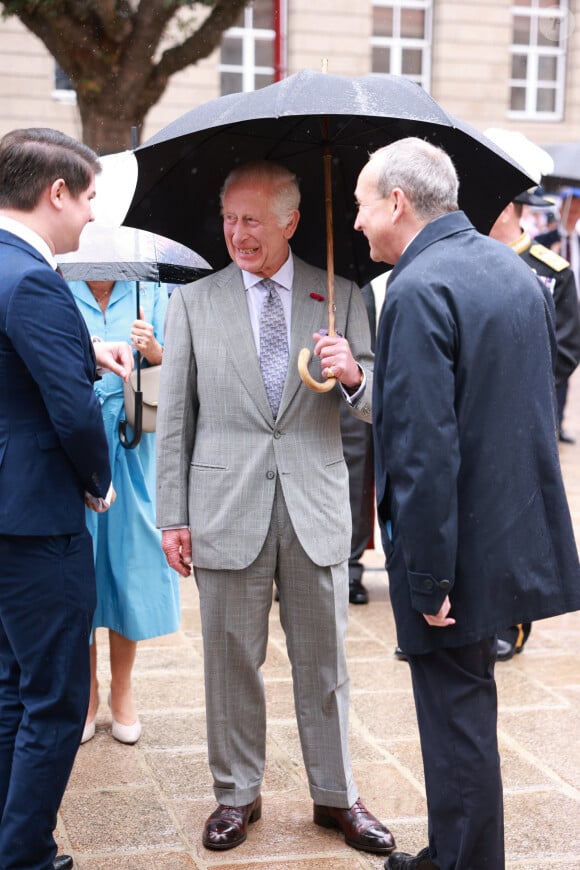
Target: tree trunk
[107, 133]
[110, 49]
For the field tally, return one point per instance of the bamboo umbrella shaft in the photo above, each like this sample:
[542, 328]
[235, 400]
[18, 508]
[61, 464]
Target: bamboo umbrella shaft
[305, 354]
[329, 240]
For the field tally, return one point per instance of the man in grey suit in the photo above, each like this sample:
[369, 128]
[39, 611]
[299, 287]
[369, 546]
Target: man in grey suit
[253, 488]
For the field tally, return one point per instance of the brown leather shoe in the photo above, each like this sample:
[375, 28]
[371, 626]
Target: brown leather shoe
[227, 827]
[360, 828]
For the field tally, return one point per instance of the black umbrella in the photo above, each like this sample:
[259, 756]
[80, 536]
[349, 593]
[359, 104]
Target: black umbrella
[297, 122]
[182, 168]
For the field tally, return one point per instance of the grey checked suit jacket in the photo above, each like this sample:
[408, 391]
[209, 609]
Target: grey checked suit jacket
[219, 451]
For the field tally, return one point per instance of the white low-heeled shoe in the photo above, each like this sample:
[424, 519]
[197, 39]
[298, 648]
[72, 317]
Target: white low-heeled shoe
[88, 731]
[128, 734]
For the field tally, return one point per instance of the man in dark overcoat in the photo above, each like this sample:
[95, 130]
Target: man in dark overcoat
[470, 498]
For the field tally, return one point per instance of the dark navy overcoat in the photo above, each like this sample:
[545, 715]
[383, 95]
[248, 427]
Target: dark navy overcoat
[470, 496]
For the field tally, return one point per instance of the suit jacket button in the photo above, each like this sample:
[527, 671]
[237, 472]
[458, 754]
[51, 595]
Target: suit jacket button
[277, 433]
[270, 475]
[444, 585]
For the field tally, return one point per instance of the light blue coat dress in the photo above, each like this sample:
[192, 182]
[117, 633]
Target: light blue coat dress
[137, 592]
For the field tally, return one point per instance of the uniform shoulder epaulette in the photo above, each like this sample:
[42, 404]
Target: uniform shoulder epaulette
[548, 257]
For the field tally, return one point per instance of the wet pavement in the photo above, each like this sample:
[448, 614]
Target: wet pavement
[143, 807]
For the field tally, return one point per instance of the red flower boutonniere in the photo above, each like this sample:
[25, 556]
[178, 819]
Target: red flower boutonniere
[317, 296]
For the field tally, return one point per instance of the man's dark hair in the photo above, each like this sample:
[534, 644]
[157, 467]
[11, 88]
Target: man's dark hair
[32, 159]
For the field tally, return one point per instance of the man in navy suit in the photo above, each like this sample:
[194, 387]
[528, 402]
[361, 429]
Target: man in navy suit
[53, 460]
[470, 498]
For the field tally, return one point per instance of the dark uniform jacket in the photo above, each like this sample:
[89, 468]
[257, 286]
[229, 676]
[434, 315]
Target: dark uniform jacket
[470, 496]
[556, 270]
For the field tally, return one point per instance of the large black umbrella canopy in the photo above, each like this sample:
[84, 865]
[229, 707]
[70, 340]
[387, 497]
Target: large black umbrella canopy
[182, 168]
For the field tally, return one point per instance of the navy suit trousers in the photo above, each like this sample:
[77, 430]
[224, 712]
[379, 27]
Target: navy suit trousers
[456, 701]
[47, 599]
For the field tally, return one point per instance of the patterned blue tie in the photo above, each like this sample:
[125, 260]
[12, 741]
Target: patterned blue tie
[273, 344]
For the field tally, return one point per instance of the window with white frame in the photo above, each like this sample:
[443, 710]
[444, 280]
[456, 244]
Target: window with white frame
[401, 39]
[247, 50]
[540, 29]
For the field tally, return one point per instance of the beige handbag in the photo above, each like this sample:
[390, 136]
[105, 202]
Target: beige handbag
[150, 389]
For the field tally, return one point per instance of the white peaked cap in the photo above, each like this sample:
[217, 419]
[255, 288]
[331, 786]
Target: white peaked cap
[535, 161]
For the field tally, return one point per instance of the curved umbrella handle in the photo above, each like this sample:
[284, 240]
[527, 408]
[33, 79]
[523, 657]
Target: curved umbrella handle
[317, 386]
[137, 428]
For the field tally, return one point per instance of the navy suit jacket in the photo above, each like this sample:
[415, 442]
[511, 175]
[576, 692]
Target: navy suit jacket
[52, 441]
[467, 466]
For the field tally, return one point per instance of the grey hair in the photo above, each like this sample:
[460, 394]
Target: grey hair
[425, 174]
[285, 184]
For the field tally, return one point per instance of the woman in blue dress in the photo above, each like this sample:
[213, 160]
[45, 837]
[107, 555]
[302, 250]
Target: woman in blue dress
[137, 593]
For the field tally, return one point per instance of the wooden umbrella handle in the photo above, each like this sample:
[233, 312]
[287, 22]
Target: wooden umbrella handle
[305, 355]
[318, 386]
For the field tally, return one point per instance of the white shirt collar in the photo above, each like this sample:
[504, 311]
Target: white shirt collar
[27, 235]
[284, 276]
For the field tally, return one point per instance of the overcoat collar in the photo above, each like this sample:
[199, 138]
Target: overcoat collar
[437, 229]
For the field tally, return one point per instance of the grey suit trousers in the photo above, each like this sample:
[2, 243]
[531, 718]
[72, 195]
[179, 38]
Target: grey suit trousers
[235, 607]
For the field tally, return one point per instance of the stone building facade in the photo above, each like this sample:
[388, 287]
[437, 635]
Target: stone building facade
[501, 64]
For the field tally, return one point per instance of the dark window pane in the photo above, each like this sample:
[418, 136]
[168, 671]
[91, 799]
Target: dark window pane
[264, 52]
[521, 30]
[547, 68]
[231, 51]
[263, 14]
[546, 100]
[519, 66]
[382, 21]
[61, 80]
[381, 59]
[230, 83]
[412, 62]
[518, 99]
[413, 23]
